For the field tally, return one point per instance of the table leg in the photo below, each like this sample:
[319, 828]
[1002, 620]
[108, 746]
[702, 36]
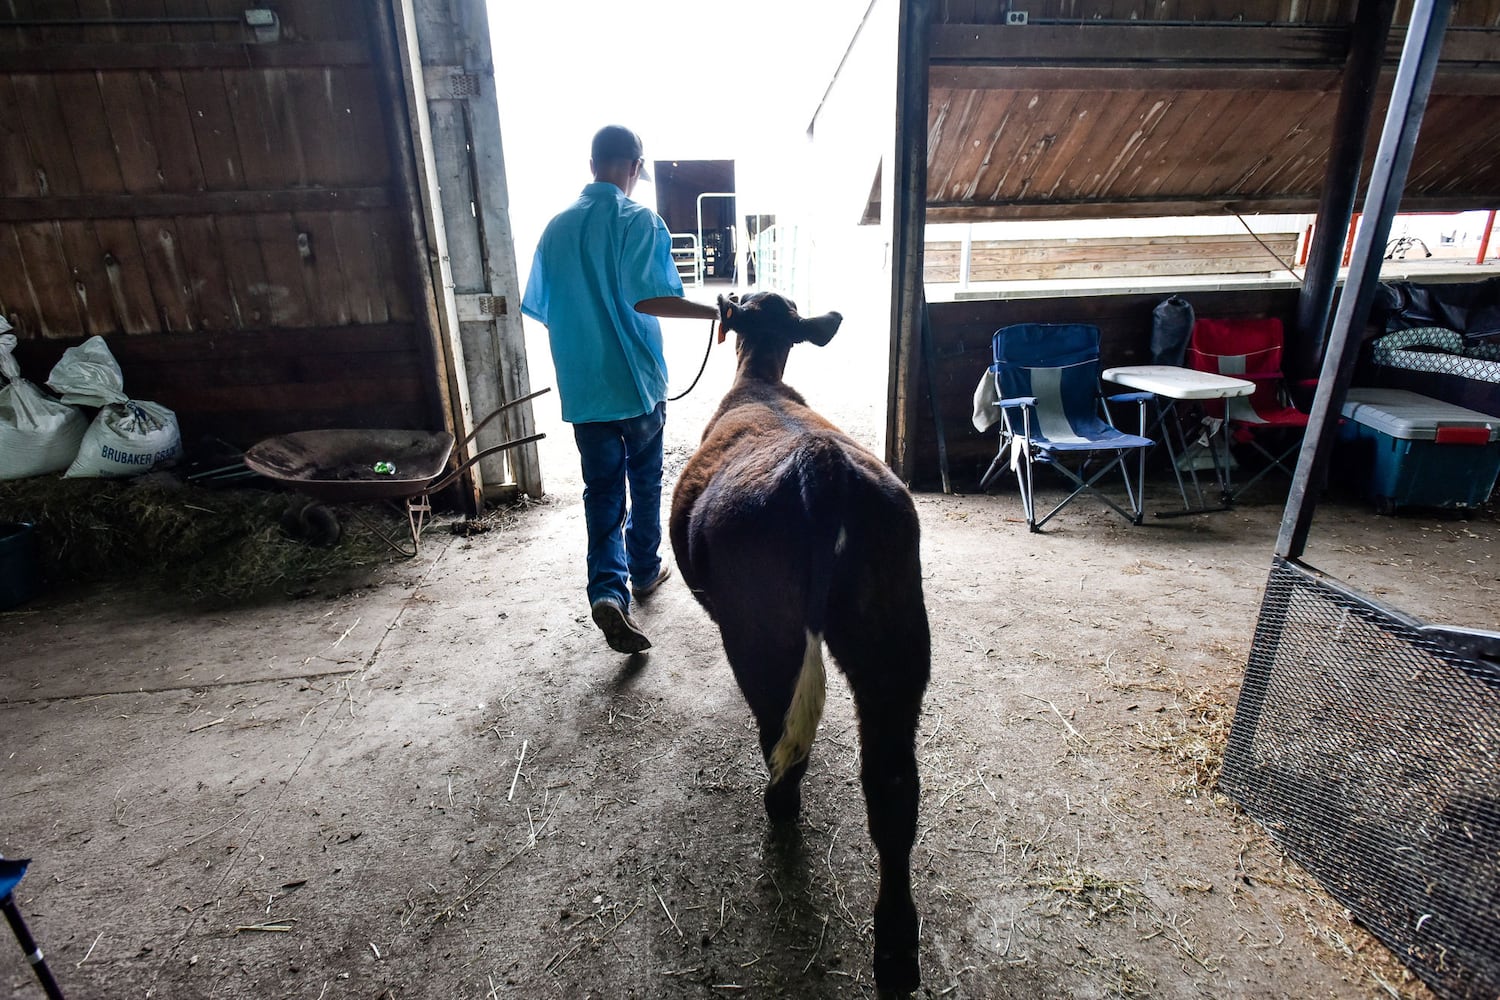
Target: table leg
[1221, 477]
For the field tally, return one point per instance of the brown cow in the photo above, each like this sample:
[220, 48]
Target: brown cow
[793, 535]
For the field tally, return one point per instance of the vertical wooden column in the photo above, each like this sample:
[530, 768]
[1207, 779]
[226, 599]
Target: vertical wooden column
[435, 306]
[1372, 23]
[469, 162]
[909, 222]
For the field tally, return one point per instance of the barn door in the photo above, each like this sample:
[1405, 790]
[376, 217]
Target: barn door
[444, 57]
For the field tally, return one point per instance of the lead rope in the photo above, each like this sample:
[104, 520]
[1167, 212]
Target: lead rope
[701, 368]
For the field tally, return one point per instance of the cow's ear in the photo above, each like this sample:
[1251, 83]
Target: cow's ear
[819, 329]
[728, 308]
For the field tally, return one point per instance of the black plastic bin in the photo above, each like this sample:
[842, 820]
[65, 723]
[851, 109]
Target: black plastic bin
[18, 568]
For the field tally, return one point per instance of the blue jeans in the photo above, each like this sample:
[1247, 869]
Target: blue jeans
[623, 538]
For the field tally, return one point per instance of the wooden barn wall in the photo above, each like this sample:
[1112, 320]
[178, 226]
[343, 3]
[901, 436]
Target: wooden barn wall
[961, 340]
[224, 210]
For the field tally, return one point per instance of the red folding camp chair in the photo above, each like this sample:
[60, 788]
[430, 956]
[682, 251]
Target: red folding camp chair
[1251, 349]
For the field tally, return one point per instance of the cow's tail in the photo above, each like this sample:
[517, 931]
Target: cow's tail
[821, 474]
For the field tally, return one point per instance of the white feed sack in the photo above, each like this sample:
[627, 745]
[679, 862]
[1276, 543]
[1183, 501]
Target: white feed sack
[128, 437]
[38, 434]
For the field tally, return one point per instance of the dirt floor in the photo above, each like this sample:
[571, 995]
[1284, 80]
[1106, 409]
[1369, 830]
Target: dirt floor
[437, 781]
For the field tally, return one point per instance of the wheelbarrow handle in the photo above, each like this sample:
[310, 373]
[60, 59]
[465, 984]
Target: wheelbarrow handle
[499, 410]
[443, 483]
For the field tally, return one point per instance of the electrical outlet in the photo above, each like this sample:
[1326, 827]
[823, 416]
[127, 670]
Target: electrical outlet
[1015, 17]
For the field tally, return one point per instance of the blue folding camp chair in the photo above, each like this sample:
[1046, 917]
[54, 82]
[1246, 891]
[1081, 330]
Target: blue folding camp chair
[11, 871]
[1047, 378]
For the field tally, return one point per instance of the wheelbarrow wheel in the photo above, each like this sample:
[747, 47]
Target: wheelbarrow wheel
[310, 522]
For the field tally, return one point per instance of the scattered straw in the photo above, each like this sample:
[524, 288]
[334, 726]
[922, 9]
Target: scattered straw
[1194, 738]
[215, 546]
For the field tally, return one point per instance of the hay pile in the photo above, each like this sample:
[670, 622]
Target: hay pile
[213, 546]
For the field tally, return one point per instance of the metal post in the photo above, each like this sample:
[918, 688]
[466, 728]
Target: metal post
[708, 194]
[1398, 139]
[966, 257]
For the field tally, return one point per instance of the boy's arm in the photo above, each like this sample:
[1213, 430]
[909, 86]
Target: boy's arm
[673, 307]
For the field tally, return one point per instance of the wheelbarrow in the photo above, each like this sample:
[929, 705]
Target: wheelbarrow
[347, 466]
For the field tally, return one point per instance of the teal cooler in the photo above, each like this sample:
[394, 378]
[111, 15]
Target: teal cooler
[1413, 451]
[18, 570]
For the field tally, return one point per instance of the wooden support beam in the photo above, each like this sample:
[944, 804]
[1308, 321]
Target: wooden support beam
[132, 206]
[1125, 208]
[908, 226]
[1148, 56]
[1138, 43]
[91, 56]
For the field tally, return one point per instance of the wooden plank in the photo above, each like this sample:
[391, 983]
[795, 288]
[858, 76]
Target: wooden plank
[1153, 76]
[959, 113]
[1135, 43]
[356, 96]
[1178, 150]
[86, 268]
[17, 304]
[270, 146]
[319, 136]
[124, 266]
[83, 112]
[342, 344]
[212, 296]
[332, 396]
[191, 55]
[1063, 147]
[1165, 146]
[364, 288]
[1160, 258]
[47, 136]
[54, 307]
[322, 275]
[325, 20]
[129, 130]
[171, 129]
[1081, 247]
[245, 271]
[243, 428]
[167, 274]
[18, 177]
[286, 291]
[266, 373]
[193, 203]
[1004, 175]
[388, 238]
[213, 129]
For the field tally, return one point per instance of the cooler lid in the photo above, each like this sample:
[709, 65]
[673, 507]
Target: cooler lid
[1412, 417]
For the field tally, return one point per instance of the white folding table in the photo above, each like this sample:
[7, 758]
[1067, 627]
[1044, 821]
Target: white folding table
[1173, 385]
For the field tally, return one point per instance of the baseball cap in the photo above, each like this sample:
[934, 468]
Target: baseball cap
[616, 142]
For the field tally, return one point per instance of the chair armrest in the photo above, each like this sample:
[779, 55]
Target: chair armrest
[1130, 397]
[1018, 401]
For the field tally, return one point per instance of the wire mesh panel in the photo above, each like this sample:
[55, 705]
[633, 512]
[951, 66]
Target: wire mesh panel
[1369, 747]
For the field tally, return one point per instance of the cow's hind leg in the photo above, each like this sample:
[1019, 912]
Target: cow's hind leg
[887, 670]
[781, 676]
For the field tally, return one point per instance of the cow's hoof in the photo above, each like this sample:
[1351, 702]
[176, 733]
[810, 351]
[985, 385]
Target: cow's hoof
[784, 802]
[897, 975]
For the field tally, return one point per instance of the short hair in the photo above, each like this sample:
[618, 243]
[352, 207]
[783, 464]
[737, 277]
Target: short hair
[614, 143]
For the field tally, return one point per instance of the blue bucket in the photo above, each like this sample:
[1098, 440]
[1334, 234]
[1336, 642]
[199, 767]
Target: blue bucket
[18, 572]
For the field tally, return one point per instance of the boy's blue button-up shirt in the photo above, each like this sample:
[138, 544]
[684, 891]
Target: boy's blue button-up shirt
[595, 261]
